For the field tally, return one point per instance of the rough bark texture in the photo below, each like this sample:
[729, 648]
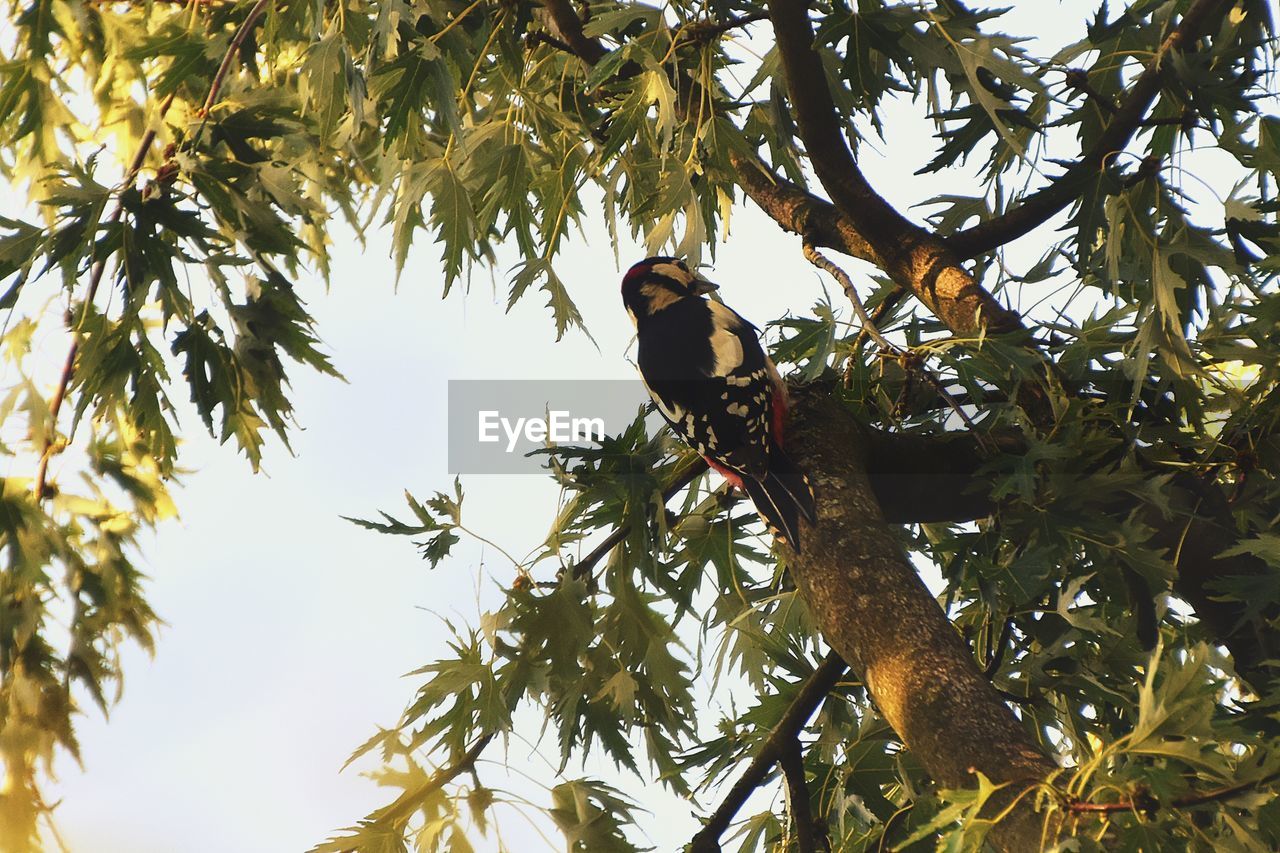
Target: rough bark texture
[799, 211]
[874, 610]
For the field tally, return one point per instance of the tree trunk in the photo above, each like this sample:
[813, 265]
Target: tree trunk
[874, 610]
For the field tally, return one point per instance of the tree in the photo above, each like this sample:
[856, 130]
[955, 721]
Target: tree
[1095, 482]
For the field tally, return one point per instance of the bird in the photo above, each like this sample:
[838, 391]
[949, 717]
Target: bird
[710, 379]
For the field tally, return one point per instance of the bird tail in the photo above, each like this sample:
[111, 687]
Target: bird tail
[782, 496]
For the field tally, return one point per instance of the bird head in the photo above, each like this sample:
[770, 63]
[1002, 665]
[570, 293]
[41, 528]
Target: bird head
[657, 283]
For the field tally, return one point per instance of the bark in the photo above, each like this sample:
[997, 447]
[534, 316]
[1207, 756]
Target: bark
[914, 258]
[920, 479]
[876, 613]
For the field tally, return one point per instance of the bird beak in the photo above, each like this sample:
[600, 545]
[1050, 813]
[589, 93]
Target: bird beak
[702, 286]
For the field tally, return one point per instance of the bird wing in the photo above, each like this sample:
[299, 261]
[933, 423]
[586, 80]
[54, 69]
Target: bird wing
[711, 380]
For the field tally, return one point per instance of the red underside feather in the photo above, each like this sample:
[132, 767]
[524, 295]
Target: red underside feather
[728, 474]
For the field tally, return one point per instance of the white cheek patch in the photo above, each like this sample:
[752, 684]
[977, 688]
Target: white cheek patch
[674, 273]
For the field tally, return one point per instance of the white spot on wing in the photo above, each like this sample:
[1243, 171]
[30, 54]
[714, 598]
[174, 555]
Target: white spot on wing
[725, 345]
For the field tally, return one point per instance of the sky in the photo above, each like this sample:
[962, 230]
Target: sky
[289, 630]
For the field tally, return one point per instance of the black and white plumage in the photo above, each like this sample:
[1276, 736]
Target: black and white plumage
[714, 384]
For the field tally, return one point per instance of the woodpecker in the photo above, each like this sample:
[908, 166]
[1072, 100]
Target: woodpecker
[713, 383]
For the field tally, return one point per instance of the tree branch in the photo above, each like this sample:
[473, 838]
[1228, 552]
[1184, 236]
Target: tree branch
[569, 28]
[808, 839]
[445, 775]
[400, 809]
[538, 37]
[876, 613]
[794, 209]
[1042, 205]
[913, 257]
[919, 479]
[1200, 528]
[815, 689]
[800, 212]
[697, 31]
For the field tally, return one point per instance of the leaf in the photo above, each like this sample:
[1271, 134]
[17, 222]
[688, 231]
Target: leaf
[451, 215]
[1265, 546]
[981, 60]
[563, 309]
[402, 86]
[592, 814]
[325, 74]
[17, 251]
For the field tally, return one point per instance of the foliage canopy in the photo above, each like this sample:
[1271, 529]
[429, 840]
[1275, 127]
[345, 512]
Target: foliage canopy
[1119, 444]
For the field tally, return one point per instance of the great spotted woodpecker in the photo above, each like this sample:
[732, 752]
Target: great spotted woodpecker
[722, 395]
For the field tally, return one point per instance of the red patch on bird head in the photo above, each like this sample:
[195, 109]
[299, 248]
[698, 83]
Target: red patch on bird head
[637, 274]
[641, 270]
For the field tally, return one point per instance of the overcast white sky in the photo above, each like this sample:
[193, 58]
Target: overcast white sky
[288, 628]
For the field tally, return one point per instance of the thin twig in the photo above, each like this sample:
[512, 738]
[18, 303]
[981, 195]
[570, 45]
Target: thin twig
[1149, 804]
[538, 37]
[1078, 79]
[815, 689]
[888, 825]
[706, 30]
[250, 21]
[569, 28]
[99, 268]
[813, 256]
[820, 261]
[411, 800]
[808, 838]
